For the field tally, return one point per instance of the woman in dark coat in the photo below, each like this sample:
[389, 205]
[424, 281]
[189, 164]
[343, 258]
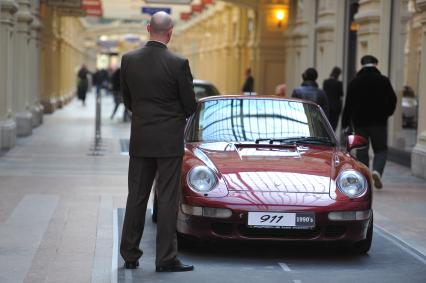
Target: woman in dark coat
[83, 83]
[334, 90]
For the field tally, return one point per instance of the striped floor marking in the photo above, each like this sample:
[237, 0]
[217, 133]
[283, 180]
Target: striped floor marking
[400, 243]
[114, 264]
[284, 267]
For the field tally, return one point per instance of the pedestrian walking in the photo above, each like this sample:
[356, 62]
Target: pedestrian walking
[106, 75]
[248, 85]
[82, 83]
[97, 80]
[333, 88]
[309, 90]
[117, 95]
[157, 87]
[370, 101]
[280, 90]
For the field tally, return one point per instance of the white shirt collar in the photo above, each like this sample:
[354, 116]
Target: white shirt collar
[369, 65]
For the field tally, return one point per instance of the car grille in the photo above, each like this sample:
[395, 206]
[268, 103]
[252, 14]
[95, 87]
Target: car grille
[223, 229]
[228, 229]
[279, 233]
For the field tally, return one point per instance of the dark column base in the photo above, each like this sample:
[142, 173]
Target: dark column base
[24, 123]
[7, 134]
[49, 106]
[418, 160]
[37, 112]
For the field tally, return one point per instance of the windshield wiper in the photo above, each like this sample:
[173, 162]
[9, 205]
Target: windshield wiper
[299, 140]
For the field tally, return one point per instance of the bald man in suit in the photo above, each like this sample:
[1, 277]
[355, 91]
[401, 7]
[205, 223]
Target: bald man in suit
[157, 87]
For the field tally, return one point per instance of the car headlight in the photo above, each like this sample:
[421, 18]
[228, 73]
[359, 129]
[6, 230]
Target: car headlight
[351, 183]
[201, 179]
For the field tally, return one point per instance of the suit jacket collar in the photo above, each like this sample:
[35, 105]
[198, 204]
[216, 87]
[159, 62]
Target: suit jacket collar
[154, 43]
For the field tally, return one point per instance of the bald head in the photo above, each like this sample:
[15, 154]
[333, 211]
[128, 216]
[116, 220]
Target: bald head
[160, 23]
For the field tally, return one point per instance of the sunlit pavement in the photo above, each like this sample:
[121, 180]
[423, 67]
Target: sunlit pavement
[61, 210]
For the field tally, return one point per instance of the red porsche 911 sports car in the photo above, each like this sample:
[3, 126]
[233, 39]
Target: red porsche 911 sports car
[269, 168]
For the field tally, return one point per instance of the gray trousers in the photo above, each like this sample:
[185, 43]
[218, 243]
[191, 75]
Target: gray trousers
[142, 172]
[377, 136]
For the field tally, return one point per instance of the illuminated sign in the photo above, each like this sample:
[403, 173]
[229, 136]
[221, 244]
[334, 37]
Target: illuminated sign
[93, 8]
[153, 10]
[185, 16]
[64, 3]
[178, 2]
[197, 8]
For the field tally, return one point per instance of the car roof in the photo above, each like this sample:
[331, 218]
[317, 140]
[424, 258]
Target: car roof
[202, 82]
[245, 97]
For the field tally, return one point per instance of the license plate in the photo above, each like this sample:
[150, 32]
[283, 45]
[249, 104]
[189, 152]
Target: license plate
[281, 220]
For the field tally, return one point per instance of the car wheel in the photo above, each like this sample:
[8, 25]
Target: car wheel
[362, 247]
[154, 209]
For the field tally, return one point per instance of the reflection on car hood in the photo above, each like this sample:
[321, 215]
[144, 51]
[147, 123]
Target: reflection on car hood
[263, 168]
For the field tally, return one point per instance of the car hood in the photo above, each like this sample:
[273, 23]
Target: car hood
[265, 168]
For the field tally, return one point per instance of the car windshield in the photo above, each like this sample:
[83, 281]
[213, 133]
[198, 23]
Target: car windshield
[259, 120]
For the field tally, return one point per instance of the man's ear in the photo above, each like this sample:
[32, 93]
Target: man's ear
[169, 34]
[148, 28]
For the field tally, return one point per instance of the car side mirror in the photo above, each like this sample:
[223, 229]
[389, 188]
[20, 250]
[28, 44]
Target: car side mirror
[355, 141]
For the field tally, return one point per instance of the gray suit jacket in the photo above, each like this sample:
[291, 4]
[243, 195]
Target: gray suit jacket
[157, 87]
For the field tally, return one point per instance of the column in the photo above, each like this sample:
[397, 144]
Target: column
[418, 157]
[56, 66]
[238, 63]
[7, 124]
[397, 65]
[35, 106]
[292, 79]
[46, 67]
[374, 19]
[269, 48]
[224, 72]
[300, 42]
[329, 37]
[23, 114]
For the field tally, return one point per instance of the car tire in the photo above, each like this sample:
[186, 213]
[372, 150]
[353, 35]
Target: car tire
[154, 209]
[362, 247]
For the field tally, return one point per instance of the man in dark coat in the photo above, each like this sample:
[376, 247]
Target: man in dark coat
[369, 103]
[83, 83]
[309, 90]
[118, 97]
[157, 87]
[97, 81]
[248, 85]
[333, 88]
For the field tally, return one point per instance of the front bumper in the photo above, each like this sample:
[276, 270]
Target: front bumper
[235, 227]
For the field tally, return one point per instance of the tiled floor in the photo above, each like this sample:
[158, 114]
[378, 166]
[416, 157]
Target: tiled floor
[53, 168]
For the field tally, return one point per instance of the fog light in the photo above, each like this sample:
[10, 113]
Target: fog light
[349, 215]
[192, 210]
[217, 212]
[206, 211]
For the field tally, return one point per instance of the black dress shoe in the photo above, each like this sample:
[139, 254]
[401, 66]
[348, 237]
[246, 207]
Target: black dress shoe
[174, 267]
[131, 264]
